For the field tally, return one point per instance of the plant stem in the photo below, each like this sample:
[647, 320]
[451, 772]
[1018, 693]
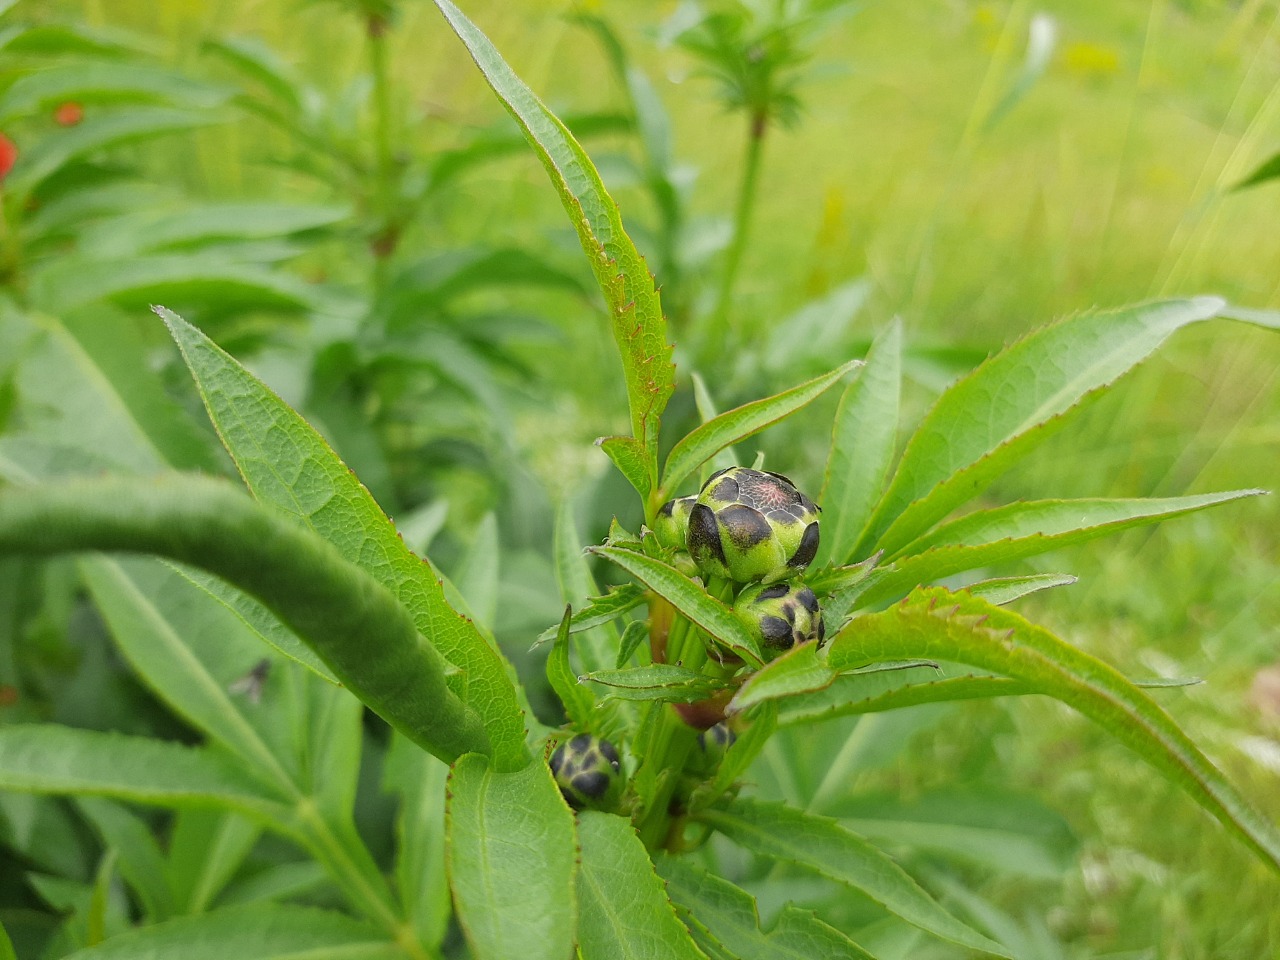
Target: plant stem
[742, 214]
[387, 228]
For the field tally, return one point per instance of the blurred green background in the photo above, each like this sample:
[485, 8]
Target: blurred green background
[977, 169]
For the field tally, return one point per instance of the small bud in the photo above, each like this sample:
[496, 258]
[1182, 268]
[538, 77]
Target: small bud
[781, 615]
[671, 526]
[748, 525]
[68, 114]
[588, 772]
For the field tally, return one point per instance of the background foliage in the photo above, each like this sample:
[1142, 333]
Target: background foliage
[934, 169]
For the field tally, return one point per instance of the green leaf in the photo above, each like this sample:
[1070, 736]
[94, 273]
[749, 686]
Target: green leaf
[287, 464]
[477, 577]
[729, 915]
[579, 702]
[270, 931]
[992, 828]
[633, 462]
[710, 438]
[802, 671]
[190, 650]
[822, 845]
[859, 693]
[957, 627]
[139, 858]
[104, 82]
[657, 681]
[707, 411]
[599, 610]
[61, 760]
[1003, 590]
[356, 626]
[624, 912]
[61, 146]
[990, 537]
[637, 632]
[863, 440]
[151, 230]
[419, 779]
[996, 415]
[639, 328]
[208, 278]
[206, 848]
[512, 859]
[1269, 169]
[689, 598]
[257, 61]
[6, 945]
[740, 755]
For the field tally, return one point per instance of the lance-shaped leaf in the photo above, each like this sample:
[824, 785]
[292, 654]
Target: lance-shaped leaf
[961, 628]
[355, 625]
[994, 416]
[657, 681]
[598, 611]
[286, 463]
[139, 858]
[268, 931]
[637, 632]
[705, 441]
[713, 906]
[863, 440]
[1002, 590]
[859, 693]
[624, 912]
[822, 845]
[689, 598]
[35, 758]
[990, 537]
[1269, 169]
[595, 641]
[639, 328]
[804, 669]
[420, 876]
[578, 700]
[512, 855]
[632, 459]
[739, 756]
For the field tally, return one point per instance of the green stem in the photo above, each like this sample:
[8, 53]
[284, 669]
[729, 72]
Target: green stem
[386, 234]
[742, 215]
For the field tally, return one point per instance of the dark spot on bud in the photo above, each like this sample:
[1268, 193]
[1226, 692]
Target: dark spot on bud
[592, 784]
[712, 479]
[776, 632]
[746, 527]
[773, 592]
[808, 548]
[789, 611]
[726, 491]
[580, 743]
[666, 509]
[704, 535]
[786, 480]
[610, 753]
[557, 760]
[807, 599]
[822, 629]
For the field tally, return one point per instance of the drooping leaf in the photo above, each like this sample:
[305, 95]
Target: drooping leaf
[60, 147]
[105, 82]
[957, 627]
[624, 913]
[287, 464]
[263, 931]
[639, 328]
[710, 438]
[997, 414]
[512, 853]
[729, 915]
[356, 626]
[863, 440]
[822, 845]
[1018, 530]
[657, 681]
[689, 598]
[62, 760]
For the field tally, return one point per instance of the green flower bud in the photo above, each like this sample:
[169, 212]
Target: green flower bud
[588, 772]
[671, 526]
[781, 615]
[749, 525]
[713, 743]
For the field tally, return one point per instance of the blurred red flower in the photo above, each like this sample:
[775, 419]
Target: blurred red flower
[68, 114]
[8, 155]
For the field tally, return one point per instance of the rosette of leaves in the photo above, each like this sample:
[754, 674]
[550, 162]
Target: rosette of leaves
[312, 567]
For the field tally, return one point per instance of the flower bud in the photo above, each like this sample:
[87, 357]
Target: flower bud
[587, 771]
[749, 525]
[781, 615]
[671, 526]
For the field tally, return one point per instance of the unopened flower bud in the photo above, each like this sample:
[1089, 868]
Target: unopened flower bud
[587, 771]
[748, 525]
[671, 526]
[781, 615]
